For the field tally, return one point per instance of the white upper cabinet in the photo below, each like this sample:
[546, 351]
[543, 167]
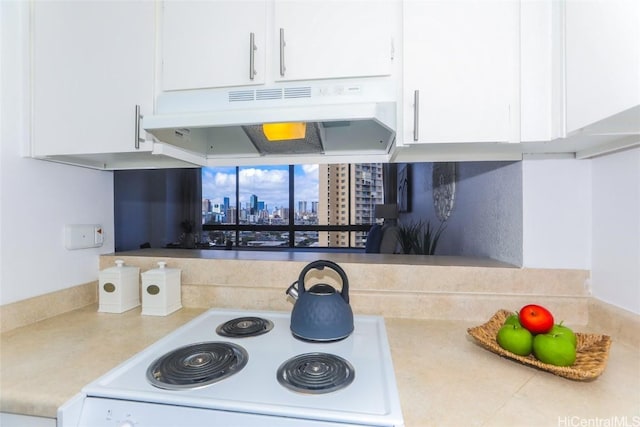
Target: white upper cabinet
[602, 59]
[321, 40]
[92, 64]
[461, 71]
[224, 43]
[213, 44]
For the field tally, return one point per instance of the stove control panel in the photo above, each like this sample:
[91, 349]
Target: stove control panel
[120, 420]
[99, 412]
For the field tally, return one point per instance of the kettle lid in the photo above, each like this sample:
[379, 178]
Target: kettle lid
[322, 289]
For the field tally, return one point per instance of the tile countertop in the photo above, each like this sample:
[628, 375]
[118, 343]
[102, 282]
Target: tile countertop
[444, 378]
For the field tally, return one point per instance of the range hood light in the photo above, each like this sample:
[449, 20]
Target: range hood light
[284, 131]
[310, 142]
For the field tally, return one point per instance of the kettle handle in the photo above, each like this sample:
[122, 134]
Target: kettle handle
[319, 265]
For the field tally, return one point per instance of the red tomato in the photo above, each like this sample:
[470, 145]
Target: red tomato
[535, 318]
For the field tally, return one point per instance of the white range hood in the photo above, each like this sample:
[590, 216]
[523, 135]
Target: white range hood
[218, 127]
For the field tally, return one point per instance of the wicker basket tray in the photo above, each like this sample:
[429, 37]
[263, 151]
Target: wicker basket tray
[591, 357]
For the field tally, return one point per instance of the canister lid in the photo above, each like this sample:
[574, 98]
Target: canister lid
[162, 269]
[120, 268]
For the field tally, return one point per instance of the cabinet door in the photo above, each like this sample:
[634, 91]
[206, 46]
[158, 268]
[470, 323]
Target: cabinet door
[603, 59]
[461, 57]
[542, 70]
[92, 63]
[208, 44]
[333, 39]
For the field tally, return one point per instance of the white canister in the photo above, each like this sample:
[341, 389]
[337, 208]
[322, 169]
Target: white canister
[119, 288]
[161, 291]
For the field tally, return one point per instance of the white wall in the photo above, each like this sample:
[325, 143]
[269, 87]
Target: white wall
[615, 269]
[585, 214]
[557, 213]
[38, 198]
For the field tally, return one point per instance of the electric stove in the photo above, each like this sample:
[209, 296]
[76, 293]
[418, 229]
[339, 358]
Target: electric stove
[245, 368]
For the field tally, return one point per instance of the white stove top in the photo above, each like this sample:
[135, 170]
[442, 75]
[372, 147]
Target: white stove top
[371, 399]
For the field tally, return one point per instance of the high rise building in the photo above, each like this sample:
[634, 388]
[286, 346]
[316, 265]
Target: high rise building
[348, 194]
[231, 215]
[253, 204]
[206, 211]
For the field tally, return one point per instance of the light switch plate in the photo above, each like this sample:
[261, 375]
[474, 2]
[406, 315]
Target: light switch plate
[81, 236]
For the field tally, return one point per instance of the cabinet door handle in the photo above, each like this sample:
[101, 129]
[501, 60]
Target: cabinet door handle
[416, 114]
[137, 139]
[252, 58]
[282, 45]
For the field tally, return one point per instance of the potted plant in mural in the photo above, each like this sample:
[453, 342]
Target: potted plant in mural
[188, 238]
[430, 236]
[407, 234]
[419, 238]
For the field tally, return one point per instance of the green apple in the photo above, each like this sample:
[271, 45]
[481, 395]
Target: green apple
[554, 349]
[516, 339]
[512, 320]
[564, 332]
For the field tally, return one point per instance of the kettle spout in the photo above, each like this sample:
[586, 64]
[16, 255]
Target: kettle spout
[292, 293]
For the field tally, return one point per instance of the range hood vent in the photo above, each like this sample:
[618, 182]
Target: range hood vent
[269, 94]
[297, 92]
[242, 95]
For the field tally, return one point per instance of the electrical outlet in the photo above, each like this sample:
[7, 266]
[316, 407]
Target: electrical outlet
[81, 236]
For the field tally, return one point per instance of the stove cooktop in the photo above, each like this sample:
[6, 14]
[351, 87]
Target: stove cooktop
[368, 393]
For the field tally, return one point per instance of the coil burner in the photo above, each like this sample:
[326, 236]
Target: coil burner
[316, 373]
[196, 365]
[244, 327]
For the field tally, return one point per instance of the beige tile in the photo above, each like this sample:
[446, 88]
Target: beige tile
[620, 324]
[77, 347]
[445, 379]
[613, 394]
[435, 289]
[470, 307]
[32, 310]
[234, 297]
